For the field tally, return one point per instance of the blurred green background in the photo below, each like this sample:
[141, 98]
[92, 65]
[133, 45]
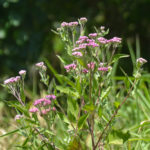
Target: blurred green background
[25, 27]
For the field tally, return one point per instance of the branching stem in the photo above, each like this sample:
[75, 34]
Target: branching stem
[115, 113]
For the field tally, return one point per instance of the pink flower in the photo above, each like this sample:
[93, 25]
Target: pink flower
[46, 102]
[48, 109]
[11, 80]
[33, 110]
[93, 35]
[17, 78]
[51, 97]
[102, 40]
[102, 27]
[73, 24]
[40, 64]
[91, 65]
[83, 38]
[64, 24]
[79, 41]
[83, 20]
[54, 109]
[22, 72]
[115, 40]
[103, 69]
[39, 101]
[77, 54]
[141, 61]
[44, 112]
[93, 44]
[70, 67]
[90, 40]
[85, 71]
[76, 49]
[17, 117]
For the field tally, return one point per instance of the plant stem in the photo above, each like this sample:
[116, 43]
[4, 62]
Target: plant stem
[115, 113]
[92, 135]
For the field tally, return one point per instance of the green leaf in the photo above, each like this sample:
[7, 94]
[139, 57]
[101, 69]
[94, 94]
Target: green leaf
[14, 131]
[78, 85]
[118, 137]
[72, 107]
[20, 108]
[74, 145]
[105, 93]
[22, 95]
[118, 56]
[60, 58]
[66, 79]
[89, 107]
[82, 120]
[67, 91]
[100, 111]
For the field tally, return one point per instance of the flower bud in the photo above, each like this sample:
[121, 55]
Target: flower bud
[83, 20]
[22, 72]
[141, 61]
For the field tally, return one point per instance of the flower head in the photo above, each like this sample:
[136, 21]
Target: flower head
[64, 24]
[83, 38]
[115, 40]
[54, 109]
[41, 66]
[103, 69]
[141, 61]
[93, 35]
[22, 72]
[17, 117]
[77, 54]
[91, 65]
[39, 101]
[33, 110]
[83, 20]
[11, 80]
[102, 40]
[72, 24]
[70, 67]
[85, 71]
[51, 97]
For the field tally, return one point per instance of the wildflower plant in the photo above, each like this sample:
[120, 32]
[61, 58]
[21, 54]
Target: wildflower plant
[80, 112]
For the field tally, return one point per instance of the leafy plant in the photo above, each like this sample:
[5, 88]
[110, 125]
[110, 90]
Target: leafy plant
[80, 112]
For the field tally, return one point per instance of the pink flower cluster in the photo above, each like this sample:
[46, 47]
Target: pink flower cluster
[103, 69]
[85, 71]
[78, 54]
[91, 65]
[70, 67]
[43, 105]
[81, 47]
[12, 80]
[51, 97]
[42, 102]
[74, 23]
[93, 35]
[70, 24]
[41, 65]
[113, 40]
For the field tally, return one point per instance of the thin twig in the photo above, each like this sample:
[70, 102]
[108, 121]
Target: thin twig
[115, 113]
